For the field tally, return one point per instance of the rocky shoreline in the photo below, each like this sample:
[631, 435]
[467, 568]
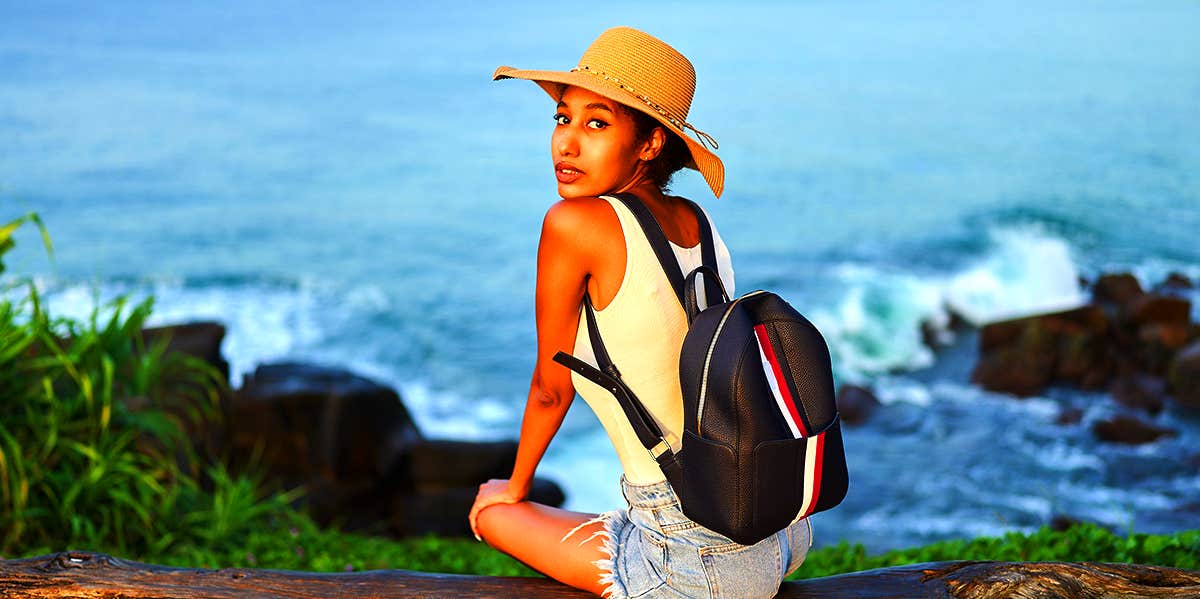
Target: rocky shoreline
[348, 441]
[1139, 346]
[351, 443]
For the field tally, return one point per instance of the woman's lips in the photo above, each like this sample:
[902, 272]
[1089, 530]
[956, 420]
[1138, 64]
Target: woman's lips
[566, 173]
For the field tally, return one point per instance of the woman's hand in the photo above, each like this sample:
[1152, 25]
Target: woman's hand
[490, 493]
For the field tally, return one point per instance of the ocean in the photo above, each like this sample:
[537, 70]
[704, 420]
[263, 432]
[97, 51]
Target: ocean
[342, 183]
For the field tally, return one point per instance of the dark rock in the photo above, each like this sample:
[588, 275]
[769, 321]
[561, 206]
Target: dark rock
[197, 339]
[317, 422]
[441, 464]
[1147, 330]
[1155, 308]
[1011, 370]
[1060, 522]
[354, 447]
[1023, 355]
[1069, 415]
[1184, 375]
[1175, 284]
[1001, 333]
[444, 511]
[1158, 344]
[1130, 431]
[958, 321]
[934, 336]
[440, 511]
[855, 404]
[1140, 392]
[546, 492]
[1082, 352]
[180, 395]
[1063, 522]
[1116, 289]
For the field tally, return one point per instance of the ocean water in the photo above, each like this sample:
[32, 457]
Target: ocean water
[344, 184]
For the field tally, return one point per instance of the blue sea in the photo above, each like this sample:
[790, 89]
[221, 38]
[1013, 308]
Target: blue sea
[342, 183]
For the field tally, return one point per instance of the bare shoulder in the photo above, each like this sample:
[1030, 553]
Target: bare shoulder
[580, 219]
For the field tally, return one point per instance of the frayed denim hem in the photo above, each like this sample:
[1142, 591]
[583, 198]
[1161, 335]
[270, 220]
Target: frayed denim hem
[613, 522]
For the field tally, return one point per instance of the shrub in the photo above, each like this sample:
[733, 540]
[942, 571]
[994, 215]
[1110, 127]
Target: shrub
[93, 449]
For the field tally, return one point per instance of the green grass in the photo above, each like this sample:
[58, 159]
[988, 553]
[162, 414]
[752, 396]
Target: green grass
[312, 549]
[295, 543]
[1080, 543]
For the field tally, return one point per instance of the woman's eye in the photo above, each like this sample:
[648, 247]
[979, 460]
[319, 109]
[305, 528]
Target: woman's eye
[561, 118]
[597, 124]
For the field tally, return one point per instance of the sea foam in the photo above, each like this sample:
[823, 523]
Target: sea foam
[875, 325]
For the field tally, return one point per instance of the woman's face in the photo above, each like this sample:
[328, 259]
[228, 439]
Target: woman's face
[595, 147]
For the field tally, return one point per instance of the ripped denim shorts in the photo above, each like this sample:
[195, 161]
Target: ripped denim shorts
[655, 551]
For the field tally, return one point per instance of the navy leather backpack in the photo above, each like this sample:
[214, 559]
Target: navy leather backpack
[761, 441]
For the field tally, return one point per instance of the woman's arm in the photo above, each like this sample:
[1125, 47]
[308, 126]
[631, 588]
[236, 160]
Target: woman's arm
[571, 234]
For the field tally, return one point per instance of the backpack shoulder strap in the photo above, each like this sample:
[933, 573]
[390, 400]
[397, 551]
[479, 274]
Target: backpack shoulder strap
[708, 256]
[608, 377]
[708, 248]
[658, 241]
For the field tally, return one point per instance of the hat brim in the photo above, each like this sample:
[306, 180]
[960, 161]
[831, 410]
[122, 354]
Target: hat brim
[554, 82]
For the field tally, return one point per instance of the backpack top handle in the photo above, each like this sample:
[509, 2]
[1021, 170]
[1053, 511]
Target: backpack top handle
[690, 304]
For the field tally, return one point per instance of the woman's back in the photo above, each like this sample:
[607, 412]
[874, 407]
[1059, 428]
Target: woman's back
[643, 326]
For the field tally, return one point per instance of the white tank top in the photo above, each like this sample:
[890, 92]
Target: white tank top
[643, 329]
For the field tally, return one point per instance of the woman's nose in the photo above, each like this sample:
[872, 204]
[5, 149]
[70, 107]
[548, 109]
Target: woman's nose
[565, 142]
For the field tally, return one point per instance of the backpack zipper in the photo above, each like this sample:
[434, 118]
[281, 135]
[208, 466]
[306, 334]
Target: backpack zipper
[708, 357]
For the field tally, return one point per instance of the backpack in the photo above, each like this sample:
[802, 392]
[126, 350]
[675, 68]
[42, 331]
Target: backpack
[761, 440]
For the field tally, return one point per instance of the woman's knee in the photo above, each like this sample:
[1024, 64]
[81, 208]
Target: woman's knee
[496, 521]
[486, 520]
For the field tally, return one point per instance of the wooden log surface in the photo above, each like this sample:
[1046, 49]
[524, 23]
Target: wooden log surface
[94, 575]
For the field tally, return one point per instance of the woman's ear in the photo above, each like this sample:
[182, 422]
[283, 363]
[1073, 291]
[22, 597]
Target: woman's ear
[653, 145]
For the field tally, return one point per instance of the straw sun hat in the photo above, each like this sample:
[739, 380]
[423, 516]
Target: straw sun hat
[640, 71]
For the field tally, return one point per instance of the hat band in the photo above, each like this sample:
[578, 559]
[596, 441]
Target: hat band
[704, 138]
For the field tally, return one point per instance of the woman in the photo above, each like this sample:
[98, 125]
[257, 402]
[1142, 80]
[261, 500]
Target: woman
[620, 127]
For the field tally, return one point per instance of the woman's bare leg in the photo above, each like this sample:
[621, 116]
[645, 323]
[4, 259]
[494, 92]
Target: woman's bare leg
[533, 533]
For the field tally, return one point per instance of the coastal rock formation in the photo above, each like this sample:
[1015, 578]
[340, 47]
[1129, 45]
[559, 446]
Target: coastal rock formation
[855, 404]
[1069, 415]
[197, 339]
[1116, 289]
[1130, 430]
[1127, 338]
[309, 421]
[357, 451]
[937, 334]
[1023, 355]
[339, 435]
[1185, 375]
[1140, 391]
[202, 341]
[1174, 284]
[348, 440]
[442, 477]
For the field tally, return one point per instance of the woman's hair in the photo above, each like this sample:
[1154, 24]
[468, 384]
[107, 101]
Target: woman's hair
[674, 155]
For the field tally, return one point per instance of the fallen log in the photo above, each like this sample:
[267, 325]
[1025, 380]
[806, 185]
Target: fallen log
[95, 575]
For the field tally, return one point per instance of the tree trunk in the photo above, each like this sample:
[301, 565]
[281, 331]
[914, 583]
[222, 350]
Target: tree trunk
[94, 575]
